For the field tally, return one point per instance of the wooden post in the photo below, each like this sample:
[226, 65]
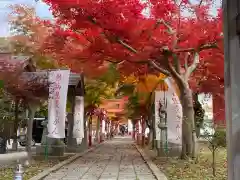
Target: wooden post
[143, 131]
[232, 96]
[71, 142]
[137, 129]
[133, 133]
[90, 131]
[101, 119]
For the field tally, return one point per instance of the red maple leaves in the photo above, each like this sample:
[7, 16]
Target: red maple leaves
[89, 33]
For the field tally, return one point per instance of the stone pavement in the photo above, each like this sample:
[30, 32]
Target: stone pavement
[117, 159]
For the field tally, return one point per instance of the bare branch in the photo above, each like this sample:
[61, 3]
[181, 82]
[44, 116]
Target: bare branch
[193, 65]
[186, 61]
[173, 71]
[176, 63]
[114, 62]
[133, 50]
[193, 5]
[164, 71]
[170, 29]
[130, 48]
[200, 3]
[201, 48]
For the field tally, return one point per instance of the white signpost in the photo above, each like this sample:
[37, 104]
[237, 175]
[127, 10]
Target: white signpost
[78, 127]
[174, 114]
[57, 103]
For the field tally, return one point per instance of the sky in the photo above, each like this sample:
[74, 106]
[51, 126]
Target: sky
[42, 11]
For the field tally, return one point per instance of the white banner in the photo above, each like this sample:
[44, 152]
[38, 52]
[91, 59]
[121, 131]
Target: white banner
[103, 126]
[57, 103]
[159, 98]
[140, 126]
[78, 126]
[174, 114]
[130, 125]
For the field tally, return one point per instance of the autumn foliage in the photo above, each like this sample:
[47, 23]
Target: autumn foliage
[180, 39]
[86, 35]
[21, 84]
[116, 31]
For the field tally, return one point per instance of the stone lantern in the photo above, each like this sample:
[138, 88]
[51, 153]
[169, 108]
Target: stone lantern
[162, 125]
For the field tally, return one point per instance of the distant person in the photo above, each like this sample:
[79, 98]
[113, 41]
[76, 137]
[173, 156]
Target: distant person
[122, 129]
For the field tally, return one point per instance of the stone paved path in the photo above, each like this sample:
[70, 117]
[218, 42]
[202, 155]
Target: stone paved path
[115, 160]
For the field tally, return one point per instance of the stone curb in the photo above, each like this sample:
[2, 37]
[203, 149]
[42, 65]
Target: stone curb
[153, 167]
[46, 172]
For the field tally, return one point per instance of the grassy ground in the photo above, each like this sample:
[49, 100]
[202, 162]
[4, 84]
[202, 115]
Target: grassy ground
[37, 166]
[175, 168]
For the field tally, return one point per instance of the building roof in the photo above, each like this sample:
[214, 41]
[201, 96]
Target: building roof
[74, 78]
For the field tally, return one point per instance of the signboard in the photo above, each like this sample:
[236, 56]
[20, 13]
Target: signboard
[103, 126]
[174, 114]
[78, 127]
[130, 125]
[57, 103]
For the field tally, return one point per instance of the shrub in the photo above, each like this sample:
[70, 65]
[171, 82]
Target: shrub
[219, 137]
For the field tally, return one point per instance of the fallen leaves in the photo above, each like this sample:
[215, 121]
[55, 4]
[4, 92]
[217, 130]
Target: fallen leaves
[176, 169]
[38, 165]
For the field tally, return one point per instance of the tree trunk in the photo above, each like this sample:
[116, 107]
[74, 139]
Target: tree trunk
[143, 131]
[134, 131]
[90, 131]
[98, 129]
[32, 109]
[198, 130]
[101, 129]
[189, 139]
[16, 123]
[71, 142]
[214, 161]
[150, 137]
[199, 114]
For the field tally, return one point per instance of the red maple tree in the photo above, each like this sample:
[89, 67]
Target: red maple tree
[178, 38]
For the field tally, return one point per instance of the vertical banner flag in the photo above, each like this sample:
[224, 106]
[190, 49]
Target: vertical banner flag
[57, 103]
[159, 97]
[103, 126]
[130, 125]
[174, 114]
[78, 127]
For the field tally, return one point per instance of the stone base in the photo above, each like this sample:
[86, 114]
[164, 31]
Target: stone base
[51, 150]
[77, 148]
[174, 150]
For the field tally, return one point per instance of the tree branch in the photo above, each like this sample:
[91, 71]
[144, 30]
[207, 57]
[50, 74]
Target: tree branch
[173, 71]
[193, 66]
[130, 48]
[203, 47]
[164, 71]
[170, 29]
[200, 3]
[186, 61]
[176, 63]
